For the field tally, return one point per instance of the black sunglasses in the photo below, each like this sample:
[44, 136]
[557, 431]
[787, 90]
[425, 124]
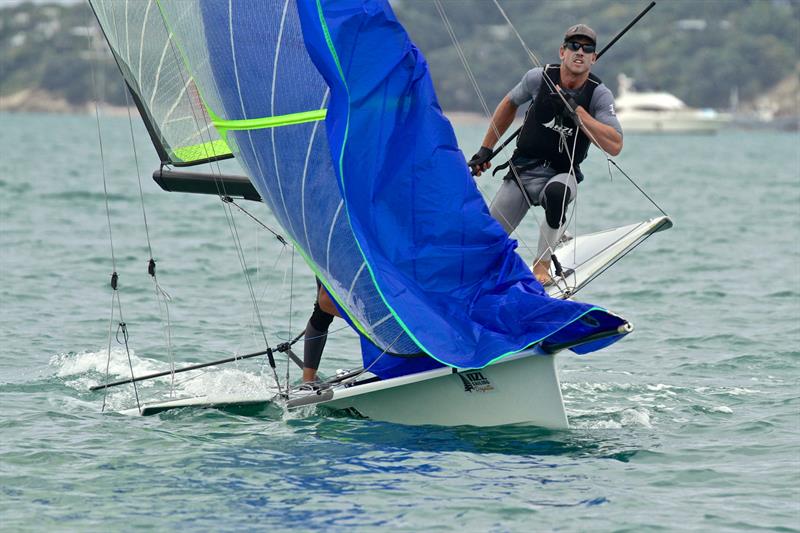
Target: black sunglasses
[575, 46]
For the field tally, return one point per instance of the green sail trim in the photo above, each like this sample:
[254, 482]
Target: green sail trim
[197, 152]
[224, 126]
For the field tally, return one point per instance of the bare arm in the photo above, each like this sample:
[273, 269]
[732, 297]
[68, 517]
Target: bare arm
[501, 119]
[603, 135]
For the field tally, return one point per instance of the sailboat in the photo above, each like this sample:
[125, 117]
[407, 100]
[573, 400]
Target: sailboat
[658, 111]
[330, 110]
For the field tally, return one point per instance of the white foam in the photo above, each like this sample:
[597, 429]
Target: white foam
[227, 381]
[722, 409]
[89, 368]
[86, 369]
[613, 419]
[638, 416]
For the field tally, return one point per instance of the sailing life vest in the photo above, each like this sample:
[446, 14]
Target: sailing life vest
[543, 127]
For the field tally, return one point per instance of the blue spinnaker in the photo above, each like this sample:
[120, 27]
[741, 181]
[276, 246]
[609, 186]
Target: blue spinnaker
[445, 269]
[249, 63]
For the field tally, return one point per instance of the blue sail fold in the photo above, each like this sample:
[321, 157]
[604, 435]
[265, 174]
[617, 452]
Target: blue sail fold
[445, 269]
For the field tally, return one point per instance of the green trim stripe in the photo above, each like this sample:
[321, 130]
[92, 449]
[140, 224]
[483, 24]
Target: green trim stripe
[196, 152]
[335, 56]
[223, 126]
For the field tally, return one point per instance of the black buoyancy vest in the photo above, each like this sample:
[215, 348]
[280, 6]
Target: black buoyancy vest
[541, 131]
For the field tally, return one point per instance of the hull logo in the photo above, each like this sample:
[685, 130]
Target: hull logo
[475, 382]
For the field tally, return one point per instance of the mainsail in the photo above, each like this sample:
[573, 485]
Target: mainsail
[330, 109]
[161, 87]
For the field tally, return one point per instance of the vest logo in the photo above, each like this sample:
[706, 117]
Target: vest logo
[475, 382]
[612, 110]
[558, 128]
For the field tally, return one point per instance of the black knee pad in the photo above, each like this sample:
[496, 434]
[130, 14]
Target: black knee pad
[320, 319]
[555, 200]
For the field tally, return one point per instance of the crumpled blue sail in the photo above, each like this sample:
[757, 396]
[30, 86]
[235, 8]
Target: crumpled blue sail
[249, 63]
[445, 269]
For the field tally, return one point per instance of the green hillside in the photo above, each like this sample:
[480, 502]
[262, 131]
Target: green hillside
[699, 50]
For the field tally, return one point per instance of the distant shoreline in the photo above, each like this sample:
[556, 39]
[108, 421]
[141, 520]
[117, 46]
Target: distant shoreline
[39, 101]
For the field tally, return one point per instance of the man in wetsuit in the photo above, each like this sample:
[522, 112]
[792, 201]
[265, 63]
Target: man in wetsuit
[316, 335]
[551, 146]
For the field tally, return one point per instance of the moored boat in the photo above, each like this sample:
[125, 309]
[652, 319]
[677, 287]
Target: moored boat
[658, 111]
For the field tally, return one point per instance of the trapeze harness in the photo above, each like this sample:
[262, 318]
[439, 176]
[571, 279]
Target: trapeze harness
[547, 140]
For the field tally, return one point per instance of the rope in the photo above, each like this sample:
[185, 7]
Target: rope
[346, 382]
[220, 185]
[473, 80]
[162, 296]
[291, 299]
[114, 275]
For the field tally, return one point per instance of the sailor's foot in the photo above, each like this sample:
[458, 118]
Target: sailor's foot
[311, 386]
[541, 269]
[310, 374]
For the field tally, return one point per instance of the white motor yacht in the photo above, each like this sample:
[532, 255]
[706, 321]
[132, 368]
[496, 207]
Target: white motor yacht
[656, 111]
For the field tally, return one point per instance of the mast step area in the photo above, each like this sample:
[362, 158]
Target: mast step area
[201, 183]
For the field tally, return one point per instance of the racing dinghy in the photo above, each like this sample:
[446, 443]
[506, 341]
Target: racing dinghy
[329, 109]
[523, 389]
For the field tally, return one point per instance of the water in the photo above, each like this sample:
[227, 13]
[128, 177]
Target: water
[691, 423]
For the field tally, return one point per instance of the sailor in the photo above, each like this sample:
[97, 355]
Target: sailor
[316, 335]
[551, 146]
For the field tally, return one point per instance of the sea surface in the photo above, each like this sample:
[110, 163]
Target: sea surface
[692, 423]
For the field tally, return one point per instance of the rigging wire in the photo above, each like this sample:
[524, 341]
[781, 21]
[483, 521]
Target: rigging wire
[229, 200]
[291, 298]
[160, 293]
[162, 296]
[474, 82]
[114, 276]
[220, 185]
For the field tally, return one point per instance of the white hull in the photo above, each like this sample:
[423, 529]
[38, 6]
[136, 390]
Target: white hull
[671, 122]
[519, 390]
